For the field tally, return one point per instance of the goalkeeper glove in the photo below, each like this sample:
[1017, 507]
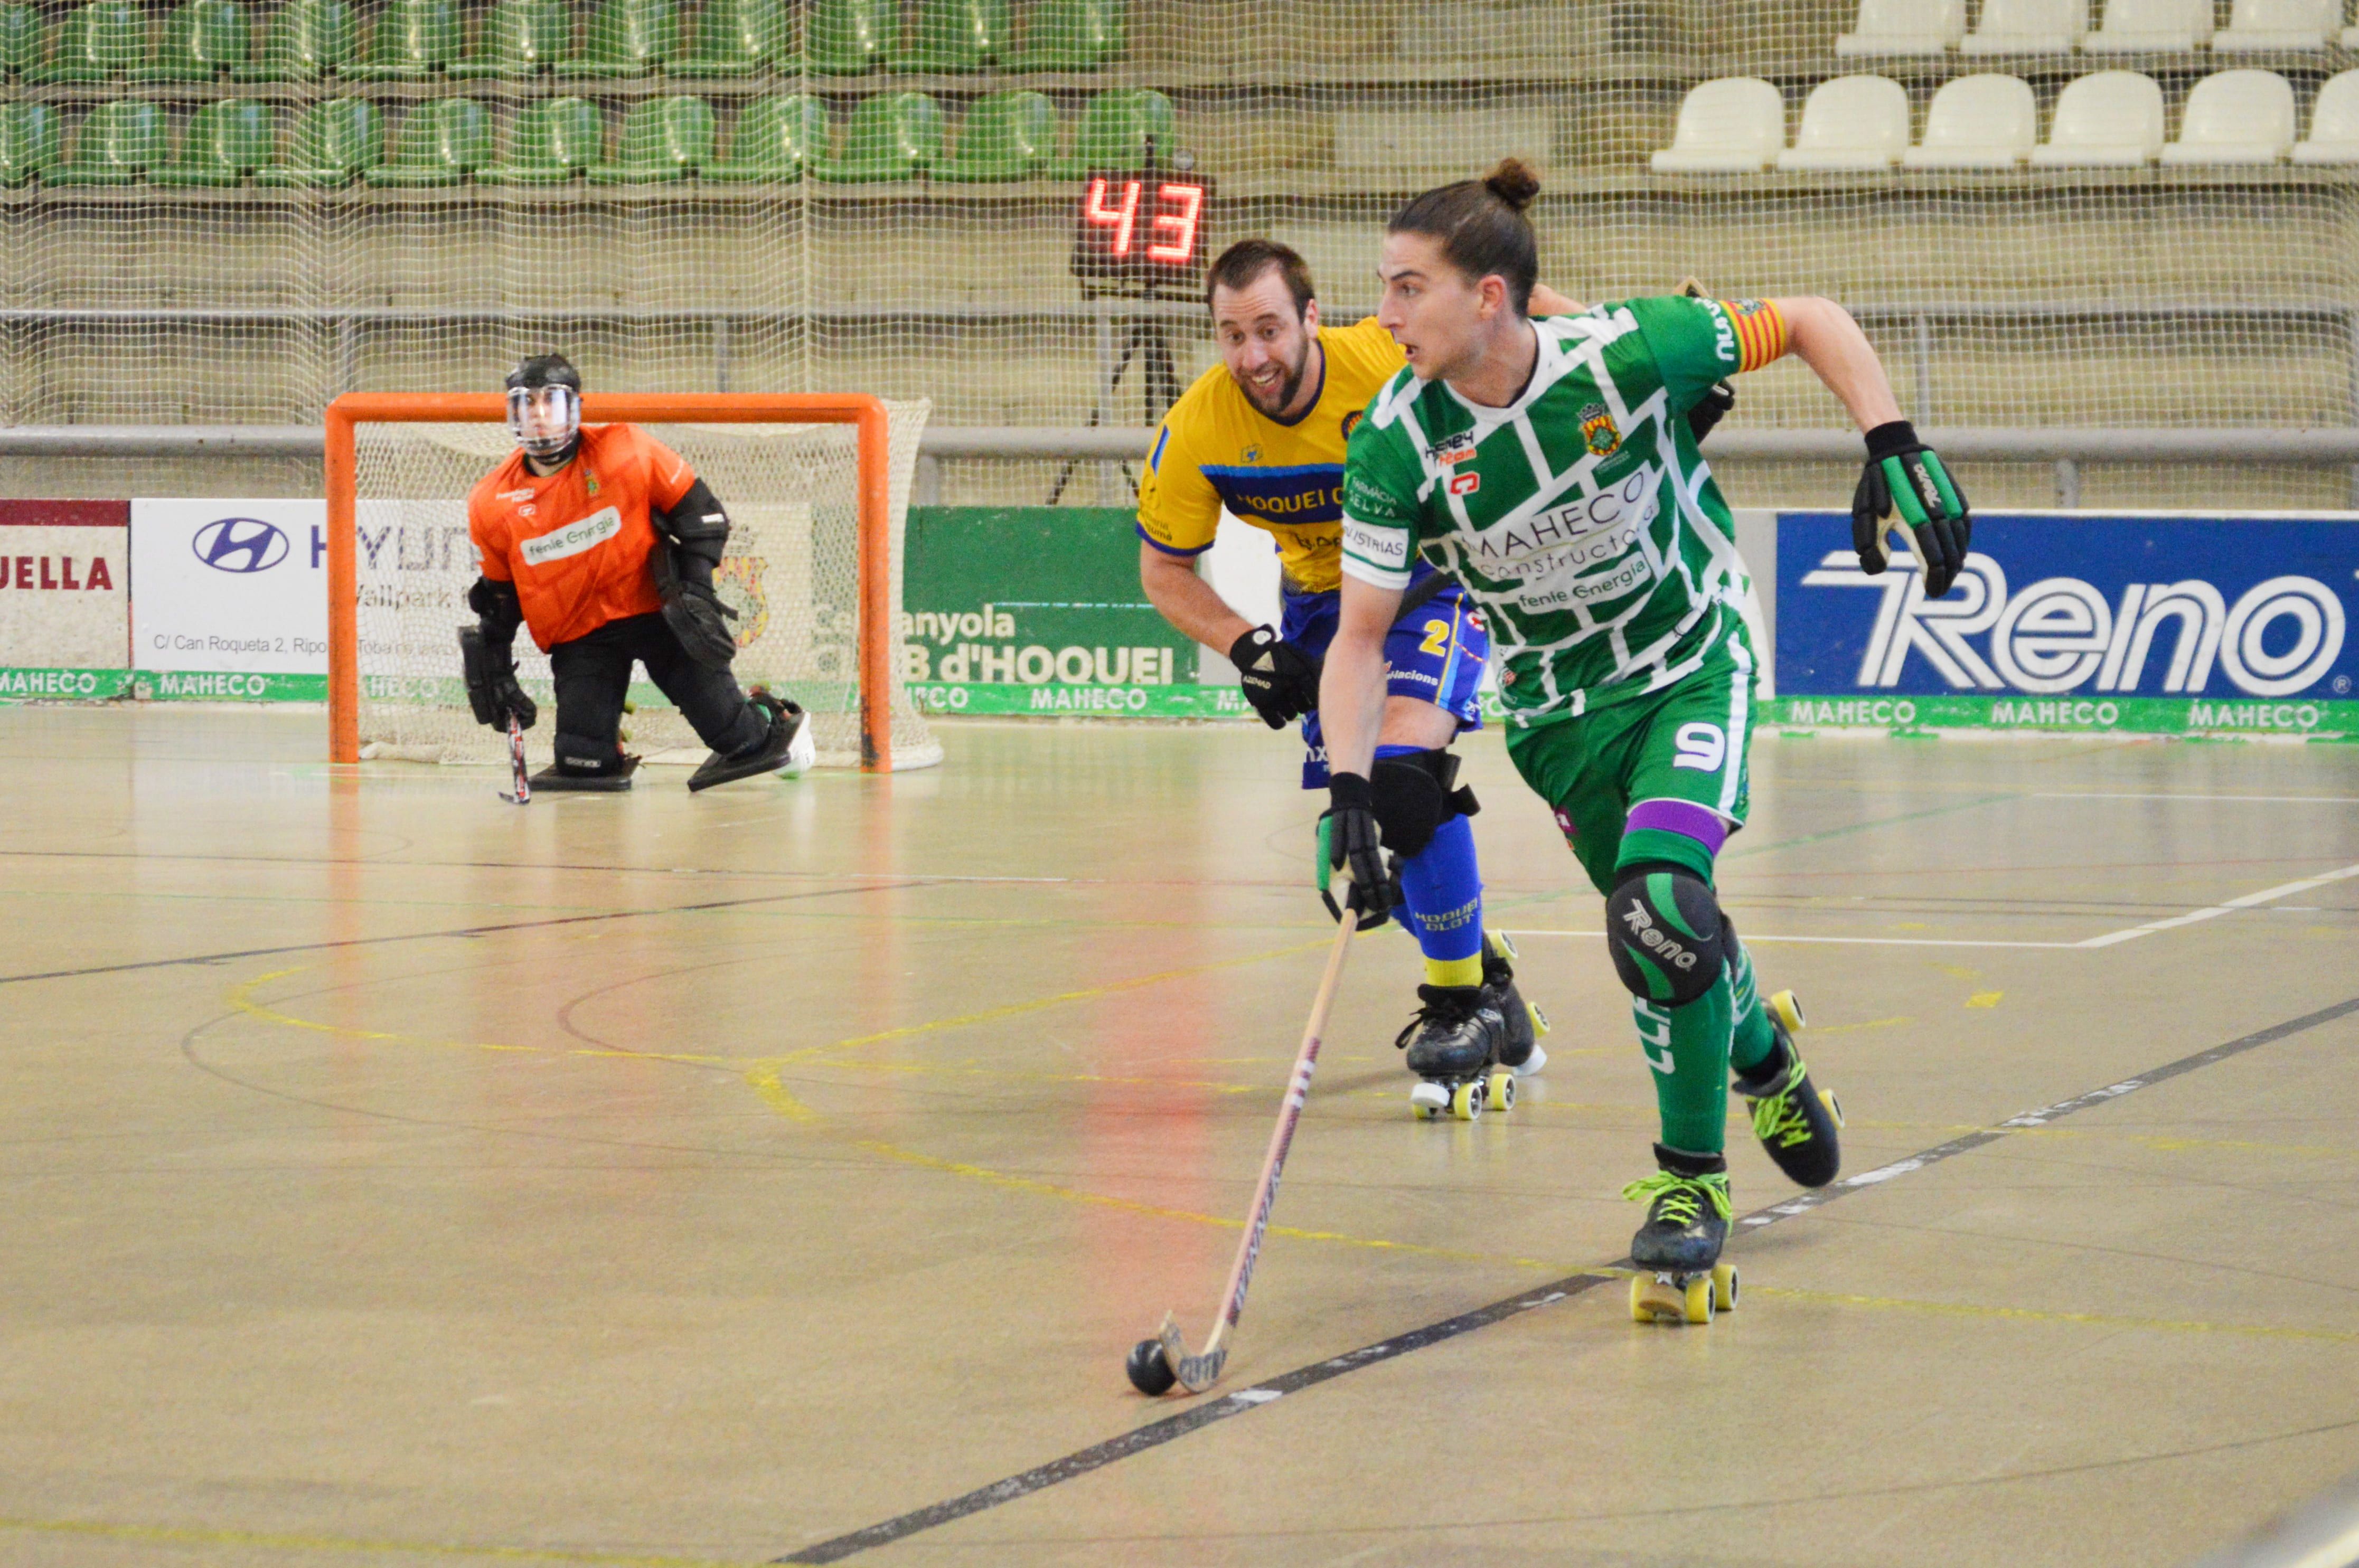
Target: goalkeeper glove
[1905, 474]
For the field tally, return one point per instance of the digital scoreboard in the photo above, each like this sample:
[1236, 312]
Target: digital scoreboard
[1134, 227]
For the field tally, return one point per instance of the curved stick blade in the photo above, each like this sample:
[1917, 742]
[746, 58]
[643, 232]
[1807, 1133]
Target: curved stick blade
[1196, 1373]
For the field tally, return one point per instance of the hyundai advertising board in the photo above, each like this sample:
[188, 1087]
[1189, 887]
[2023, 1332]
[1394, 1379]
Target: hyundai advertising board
[2158, 624]
[229, 599]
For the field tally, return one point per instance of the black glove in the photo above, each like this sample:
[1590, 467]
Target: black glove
[1354, 846]
[1718, 399]
[1280, 680]
[700, 621]
[488, 667]
[1904, 473]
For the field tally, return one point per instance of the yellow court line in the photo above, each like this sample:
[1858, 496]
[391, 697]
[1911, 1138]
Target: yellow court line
[2081, 1319]
[181, 1535]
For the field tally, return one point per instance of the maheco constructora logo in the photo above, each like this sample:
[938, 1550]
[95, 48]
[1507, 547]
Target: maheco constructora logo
[239, 545]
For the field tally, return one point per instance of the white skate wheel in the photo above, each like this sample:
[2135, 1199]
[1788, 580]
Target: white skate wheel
[1429, 1099]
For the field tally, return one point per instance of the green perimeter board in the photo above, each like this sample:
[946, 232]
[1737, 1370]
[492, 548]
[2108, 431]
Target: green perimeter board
[1037, 609]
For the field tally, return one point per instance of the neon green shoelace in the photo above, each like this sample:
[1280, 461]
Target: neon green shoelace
[1779, 1117]
[1683, 1197]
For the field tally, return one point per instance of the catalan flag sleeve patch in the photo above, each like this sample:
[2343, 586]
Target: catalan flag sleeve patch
[1760, 331]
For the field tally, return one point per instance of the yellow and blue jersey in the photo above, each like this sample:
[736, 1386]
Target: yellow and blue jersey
[1215, 449]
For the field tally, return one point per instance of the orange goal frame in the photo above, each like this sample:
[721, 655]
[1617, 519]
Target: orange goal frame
[876, 538]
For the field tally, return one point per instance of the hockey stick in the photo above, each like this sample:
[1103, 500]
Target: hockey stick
[515, 763]
[1198, 1373]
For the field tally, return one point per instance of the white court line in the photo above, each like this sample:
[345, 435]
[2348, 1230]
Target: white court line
[2111, 938]
[2215, 911]
[2267, 799]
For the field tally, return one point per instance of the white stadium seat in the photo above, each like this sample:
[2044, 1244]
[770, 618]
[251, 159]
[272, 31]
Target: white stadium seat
[2333, 124]
[2142, 26]
[2028, 26]
[2261, 25]
[2235, 117]
[1978, 122]
[1734, 125]
[1850, 122]
[1904, 27]
[2110, 120]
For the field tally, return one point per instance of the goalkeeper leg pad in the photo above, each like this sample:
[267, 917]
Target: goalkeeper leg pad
[584, 764]
[1665, 931]
[772, 752]
[1414, 794]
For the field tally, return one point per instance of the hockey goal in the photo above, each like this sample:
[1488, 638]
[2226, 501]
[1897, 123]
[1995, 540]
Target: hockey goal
[817, 488]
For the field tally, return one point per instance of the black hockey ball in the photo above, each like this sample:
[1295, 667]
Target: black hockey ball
[1150, 1370]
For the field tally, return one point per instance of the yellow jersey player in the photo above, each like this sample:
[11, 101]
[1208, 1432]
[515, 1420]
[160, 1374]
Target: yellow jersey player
[1263, 435]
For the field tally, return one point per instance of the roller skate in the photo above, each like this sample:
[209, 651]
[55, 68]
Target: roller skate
[1522, 1054]
[1795, 1119]
[1680, 1278]
[1453, 1044]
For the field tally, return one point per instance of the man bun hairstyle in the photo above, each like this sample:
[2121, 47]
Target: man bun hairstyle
[1243, 264]
[1481, 227]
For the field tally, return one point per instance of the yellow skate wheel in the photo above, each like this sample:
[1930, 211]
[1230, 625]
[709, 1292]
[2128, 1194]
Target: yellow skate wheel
[1723, 1287]
[1657, 1298]
[1785, 1010]
[1466, 1100]
[1503, 1090]
[1500, 944]
[1540, 1020]
[1698, 1299]
[1834, 1106]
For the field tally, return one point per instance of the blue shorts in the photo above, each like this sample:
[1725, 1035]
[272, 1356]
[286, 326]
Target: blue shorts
[1437, 654]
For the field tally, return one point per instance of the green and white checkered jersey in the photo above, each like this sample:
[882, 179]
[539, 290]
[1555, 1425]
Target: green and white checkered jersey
[1582, 518]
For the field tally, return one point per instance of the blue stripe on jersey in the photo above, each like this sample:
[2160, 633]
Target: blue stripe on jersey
[1304, 492]
[1169, 549]
[1155, 457]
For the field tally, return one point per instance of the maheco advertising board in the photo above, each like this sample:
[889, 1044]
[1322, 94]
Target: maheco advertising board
[2161, 624]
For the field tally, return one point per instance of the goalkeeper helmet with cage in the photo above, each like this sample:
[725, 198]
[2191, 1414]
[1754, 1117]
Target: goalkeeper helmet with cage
[545, 406]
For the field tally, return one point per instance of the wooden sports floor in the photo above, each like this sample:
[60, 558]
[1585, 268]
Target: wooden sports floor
[398, 1177]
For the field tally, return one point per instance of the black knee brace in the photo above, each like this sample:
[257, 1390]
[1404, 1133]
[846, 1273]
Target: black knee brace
[588, 754]
[1413, 795]
[1666, 933]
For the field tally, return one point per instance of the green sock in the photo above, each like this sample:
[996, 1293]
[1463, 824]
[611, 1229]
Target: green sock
[1688, 1049]
[1750, 1045]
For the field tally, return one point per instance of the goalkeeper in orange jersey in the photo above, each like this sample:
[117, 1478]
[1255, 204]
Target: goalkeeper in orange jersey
[602, 542]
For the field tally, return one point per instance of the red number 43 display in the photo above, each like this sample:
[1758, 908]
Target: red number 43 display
[1135, 225]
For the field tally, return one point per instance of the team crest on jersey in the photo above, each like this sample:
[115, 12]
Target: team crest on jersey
[593, 481]
[1453, 449]
[1745, 307]
[738, 582]
[1351, 423]
[1253, 455]
[1598, 429]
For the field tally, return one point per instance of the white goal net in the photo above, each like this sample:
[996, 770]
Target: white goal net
[792, 572]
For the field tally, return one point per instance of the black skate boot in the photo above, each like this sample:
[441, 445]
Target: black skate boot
[1453, 1044]
[1795, 1119]
[1522, 1054]
[767, 755]
[1680, 1278]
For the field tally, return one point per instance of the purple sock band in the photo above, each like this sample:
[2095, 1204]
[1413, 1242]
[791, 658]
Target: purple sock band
[1698, 822]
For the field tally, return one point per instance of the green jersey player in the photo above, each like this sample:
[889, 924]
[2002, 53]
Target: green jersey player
[1547, 465]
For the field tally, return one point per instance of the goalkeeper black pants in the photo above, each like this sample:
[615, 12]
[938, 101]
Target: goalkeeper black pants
[593, 673]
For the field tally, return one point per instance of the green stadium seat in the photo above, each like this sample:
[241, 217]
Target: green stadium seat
[549, 142]
[1123, 129]
[625, 37]
[1008, 136]
[774, 139]
[956, 35]
[95, 42]
[306, 40]
[411, 39]
[118, 143]
[20, 39]
[202, 40]
[891, 136]
[663, 138]
[31, 142]
[1070, 35]
[443, 141]
[734, 37]
[844, 37]
[518, 38]
[226, 141]
[333, 141]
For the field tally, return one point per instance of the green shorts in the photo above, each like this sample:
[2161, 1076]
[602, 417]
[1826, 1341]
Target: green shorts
[1683, 745]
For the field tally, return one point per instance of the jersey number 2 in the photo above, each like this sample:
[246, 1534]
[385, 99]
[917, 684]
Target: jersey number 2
[1437, 636]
